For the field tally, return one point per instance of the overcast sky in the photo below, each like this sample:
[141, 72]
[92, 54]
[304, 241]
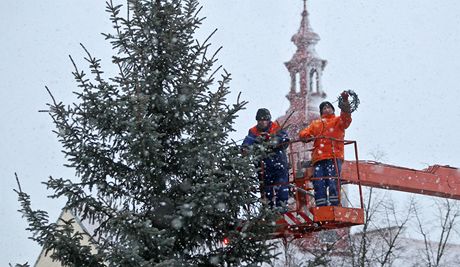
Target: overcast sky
[401, 57]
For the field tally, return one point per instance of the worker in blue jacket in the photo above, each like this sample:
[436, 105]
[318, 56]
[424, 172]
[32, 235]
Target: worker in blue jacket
[273, 169]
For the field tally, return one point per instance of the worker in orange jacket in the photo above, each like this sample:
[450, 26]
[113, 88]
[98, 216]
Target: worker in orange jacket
[328, 134]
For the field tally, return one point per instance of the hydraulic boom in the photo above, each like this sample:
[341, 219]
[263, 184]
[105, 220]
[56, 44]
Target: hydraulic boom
[436, 180]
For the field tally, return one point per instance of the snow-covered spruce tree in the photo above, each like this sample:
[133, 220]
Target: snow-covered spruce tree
[155, 168]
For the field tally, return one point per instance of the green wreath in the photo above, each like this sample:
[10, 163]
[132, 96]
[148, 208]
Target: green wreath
[351, 105]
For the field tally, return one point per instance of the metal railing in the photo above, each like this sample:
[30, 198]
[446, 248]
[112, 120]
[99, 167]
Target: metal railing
[301, 174]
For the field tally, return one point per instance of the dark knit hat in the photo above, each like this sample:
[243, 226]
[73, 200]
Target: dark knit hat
[263, 114]
[321, 106]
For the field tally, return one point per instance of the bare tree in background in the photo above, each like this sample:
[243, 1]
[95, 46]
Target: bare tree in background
[376, 244]
[289, 252]
[386, 251]
[434, 253]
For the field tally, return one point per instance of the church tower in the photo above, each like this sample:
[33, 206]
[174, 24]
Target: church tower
[306, 70]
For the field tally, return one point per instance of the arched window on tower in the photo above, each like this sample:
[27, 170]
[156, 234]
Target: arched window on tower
[314, 86]
[293, 82]
[299, 80]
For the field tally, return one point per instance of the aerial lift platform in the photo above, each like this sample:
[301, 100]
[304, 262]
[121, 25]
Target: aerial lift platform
[303, 218]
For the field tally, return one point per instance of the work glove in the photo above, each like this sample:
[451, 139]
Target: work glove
[262, 138]
[244, 151]
[344, 95]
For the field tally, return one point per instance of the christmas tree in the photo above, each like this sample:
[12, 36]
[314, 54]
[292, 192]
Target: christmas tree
[156, 171]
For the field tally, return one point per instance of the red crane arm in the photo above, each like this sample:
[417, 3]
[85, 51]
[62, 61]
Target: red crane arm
[436, 180]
